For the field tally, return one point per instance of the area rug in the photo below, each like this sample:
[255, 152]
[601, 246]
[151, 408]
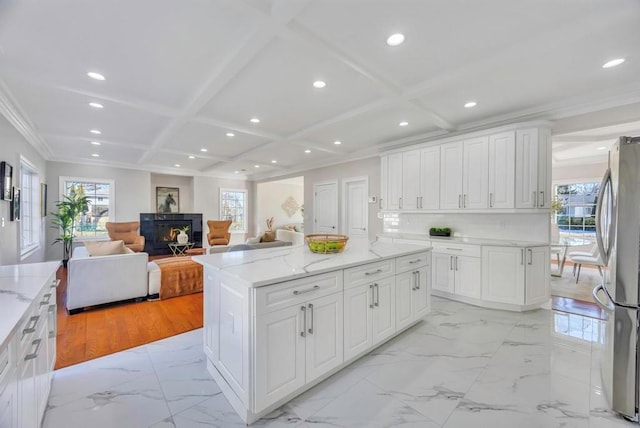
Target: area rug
[566, 285]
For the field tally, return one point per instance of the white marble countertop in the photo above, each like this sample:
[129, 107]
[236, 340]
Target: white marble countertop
[257, 268]
[19, 286]
[464, 240]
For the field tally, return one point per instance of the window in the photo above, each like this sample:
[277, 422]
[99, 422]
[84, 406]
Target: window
[233, 206]
[578, 216]
[101, 196]
[30, 220]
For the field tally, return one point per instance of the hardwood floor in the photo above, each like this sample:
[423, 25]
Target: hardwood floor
[105, 330]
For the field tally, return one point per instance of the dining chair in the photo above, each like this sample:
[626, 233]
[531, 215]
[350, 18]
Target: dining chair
[587, 260]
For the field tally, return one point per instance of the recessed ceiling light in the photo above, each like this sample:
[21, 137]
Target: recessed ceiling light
[203, 150]
[256, 166]
[601, 148]
[95, 131]
[307, 151]
[254, 120]
[230, 134]
[403, 123]
[177, 165]
[319, 84]
[613, 63]
[95, 155]
[274, 161]
[395, 39]
[95, 143]
[95, 75]
[470, 104]
[337, 143]
[236, 172]
[192, 157]
[96, 105]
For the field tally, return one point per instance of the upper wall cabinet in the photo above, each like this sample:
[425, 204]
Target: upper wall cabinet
[533, 168]
[496, 171]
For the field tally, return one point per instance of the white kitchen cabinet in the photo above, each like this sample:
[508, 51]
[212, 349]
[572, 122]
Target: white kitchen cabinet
[533, 173]
[456, 270]
[8, 386]
[467, 276]
[513, 275]
[451, 164]
[411, 180]
[475, 173]
[443, 275]
[430, 178]
[324, 343]
[369, 315]
[412, 296]
[502, 170]
[394, 182]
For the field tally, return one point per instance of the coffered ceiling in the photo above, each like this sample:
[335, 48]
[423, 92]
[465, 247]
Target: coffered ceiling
[184, 78]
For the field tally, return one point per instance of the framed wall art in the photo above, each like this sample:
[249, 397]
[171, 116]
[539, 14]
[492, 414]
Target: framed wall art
[6, 183]
[168, 199]
[43, 199]
[15, 205]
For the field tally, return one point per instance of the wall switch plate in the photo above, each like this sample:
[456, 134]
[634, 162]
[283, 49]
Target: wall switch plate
[373, 199]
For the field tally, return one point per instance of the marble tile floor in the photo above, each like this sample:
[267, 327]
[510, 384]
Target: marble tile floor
[462, 366]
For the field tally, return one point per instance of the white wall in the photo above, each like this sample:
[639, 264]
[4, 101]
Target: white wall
[12, 146]
[207, 201]
[270, 197]
[564, 174]
[132, 188]
[185, 184]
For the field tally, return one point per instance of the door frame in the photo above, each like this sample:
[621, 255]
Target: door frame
[315, 191]
[343, 208]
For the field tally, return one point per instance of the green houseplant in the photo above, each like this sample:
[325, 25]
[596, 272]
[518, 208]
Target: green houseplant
[69, 208]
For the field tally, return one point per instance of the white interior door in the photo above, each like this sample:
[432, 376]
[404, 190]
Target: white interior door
[325, 207]
[355, 207]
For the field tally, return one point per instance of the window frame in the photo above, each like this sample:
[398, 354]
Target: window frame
[573, 181]
[246, 203]
[30, 216]
[112, 201]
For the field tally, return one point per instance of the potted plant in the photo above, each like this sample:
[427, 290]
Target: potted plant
[69, 208]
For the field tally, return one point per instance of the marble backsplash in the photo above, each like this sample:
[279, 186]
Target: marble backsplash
[527, 227]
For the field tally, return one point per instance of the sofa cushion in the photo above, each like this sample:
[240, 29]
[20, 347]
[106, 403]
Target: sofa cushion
[105, 248]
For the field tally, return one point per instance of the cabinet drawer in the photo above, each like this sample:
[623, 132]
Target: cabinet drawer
[457, 249]
[414, 261]
[272, 297]
[26, 333]
[6, 361]
[368, 273]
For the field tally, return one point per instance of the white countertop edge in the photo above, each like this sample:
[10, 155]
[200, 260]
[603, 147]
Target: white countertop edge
[257, 284]
[465, 240]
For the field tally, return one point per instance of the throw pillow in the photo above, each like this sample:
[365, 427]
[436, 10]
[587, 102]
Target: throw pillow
[105, 248]
[269, 236]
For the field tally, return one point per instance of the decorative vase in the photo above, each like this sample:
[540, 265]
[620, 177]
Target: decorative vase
[182, 237]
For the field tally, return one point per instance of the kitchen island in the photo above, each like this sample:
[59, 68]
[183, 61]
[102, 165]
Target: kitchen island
[279, 321]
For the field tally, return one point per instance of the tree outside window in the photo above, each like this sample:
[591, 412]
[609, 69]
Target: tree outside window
[91, 222]
[233, 206]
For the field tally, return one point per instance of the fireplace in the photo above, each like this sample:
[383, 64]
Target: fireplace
[159, 229]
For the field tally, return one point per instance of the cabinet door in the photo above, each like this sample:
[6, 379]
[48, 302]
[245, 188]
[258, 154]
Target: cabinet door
[502, 158]
[422, 293]
[384, 309]
[384, 182]
[324, 340]
[442, 276]
[404, 290]
[526, 168]
[211, 313]
[544, 168]
[475, 194]
[537, 275]
[357, 320]
[451, 176]
[280, 354]
[468, 281]
[394, 181]
[411, 180]
[27, 405]
[8, 402]
[503, 274]
[430, 178]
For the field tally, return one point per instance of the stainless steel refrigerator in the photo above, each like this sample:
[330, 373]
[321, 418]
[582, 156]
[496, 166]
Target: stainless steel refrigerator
[618, 238]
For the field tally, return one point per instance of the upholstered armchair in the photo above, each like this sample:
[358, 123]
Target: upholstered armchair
[128, 232]
[218, 232]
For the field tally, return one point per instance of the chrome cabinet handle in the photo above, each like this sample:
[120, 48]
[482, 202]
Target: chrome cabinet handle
[542, 198]
[456, 262]
[374, 272]
[380, 203]
[417, 201]
[534, 202]
[399, 202]
[464, 201]
[376, 288]
[459, 201]
[417, 274]
[303, 333]
[450, 262]
[32, 329]
[34, 354]
[530, 255]
[414, 281]
[415, 261]
[53, 320]
[311, 312]
[372, 303]
[521, 256]
[490, 200]
[308, 290]
[45, 299]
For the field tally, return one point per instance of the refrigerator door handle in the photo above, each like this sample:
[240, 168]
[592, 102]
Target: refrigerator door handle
[606, 181]
[608, 308]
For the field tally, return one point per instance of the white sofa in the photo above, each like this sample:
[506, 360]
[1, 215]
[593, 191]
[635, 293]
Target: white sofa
[105, 279]
[296, 238]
